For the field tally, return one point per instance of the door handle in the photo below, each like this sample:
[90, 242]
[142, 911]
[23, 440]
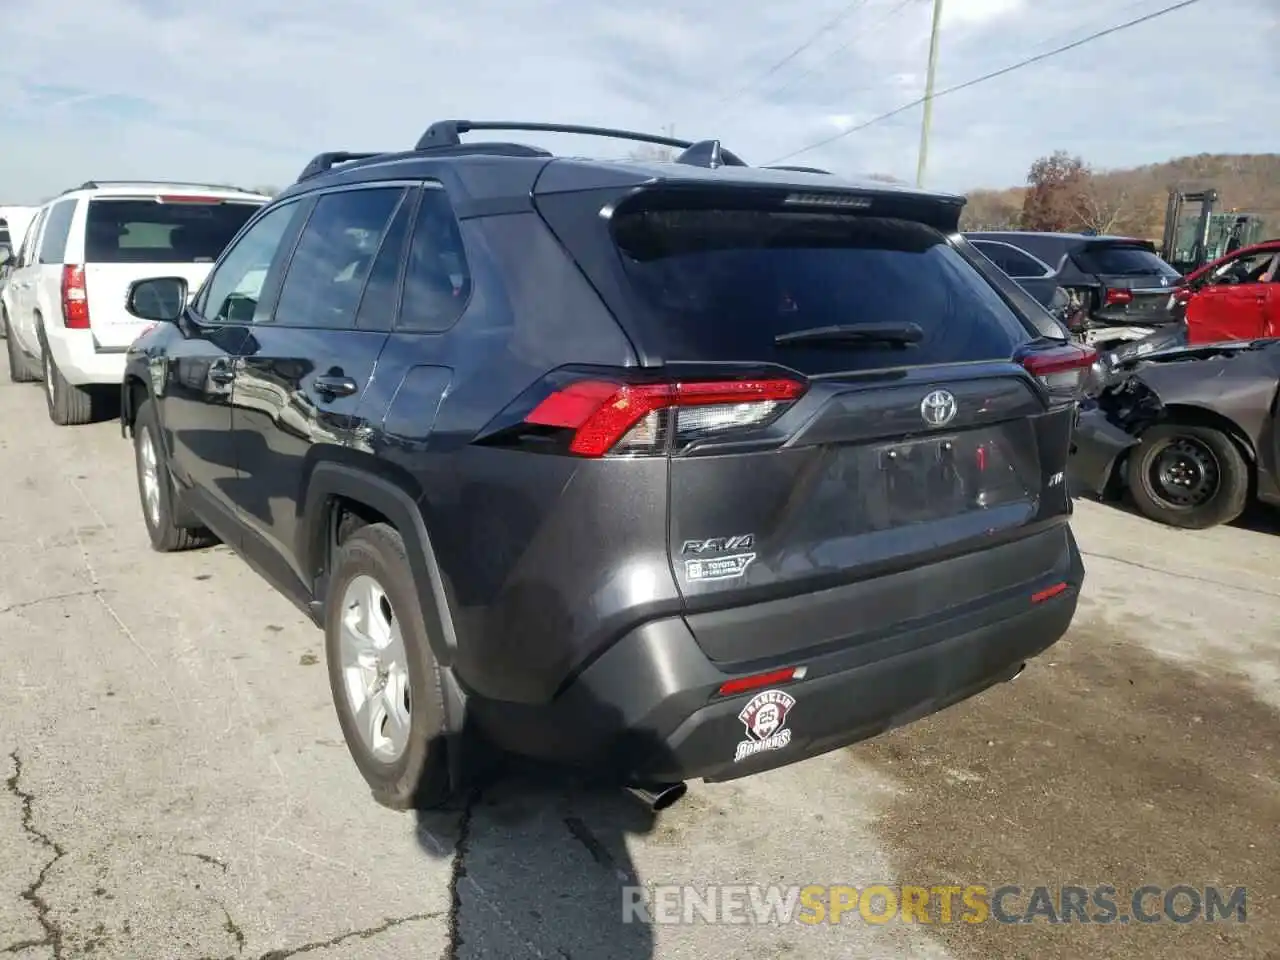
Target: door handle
[221, 374]
[330, 387]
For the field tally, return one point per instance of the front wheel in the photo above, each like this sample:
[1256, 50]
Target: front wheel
[155, 489]
[1189, 476]
[21, 369]
[387, 688]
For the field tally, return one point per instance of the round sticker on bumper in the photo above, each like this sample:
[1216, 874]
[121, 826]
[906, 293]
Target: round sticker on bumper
[765, 719]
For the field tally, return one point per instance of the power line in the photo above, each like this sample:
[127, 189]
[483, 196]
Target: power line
[990, 76]
[822, 31]
[897, 8]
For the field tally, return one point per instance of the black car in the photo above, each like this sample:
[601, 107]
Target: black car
[668, 469]
[1189, 433]
[1037, 278]
[1119, 288]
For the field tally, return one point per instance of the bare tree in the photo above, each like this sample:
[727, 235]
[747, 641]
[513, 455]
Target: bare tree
[1099, 207]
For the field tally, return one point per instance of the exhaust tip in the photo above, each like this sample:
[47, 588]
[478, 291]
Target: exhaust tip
[1016, 674]
[658, 796]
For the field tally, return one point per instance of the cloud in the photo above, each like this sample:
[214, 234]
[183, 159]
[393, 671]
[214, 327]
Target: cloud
[235, 92]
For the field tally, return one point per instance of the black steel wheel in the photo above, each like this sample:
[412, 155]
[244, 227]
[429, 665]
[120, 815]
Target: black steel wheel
[1189, 476]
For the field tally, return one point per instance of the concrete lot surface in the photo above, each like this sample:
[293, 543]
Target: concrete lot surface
[175, 785]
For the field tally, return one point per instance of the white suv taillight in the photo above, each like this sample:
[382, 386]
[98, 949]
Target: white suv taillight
[75, 298]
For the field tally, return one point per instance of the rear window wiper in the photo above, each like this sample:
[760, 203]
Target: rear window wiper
[887, 334]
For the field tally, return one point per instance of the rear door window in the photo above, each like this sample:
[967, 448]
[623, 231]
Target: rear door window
[437, 280]
[53, 246]
[1123, 261]
[723, 283]
[149, 230]
[1011, 260]
[326, 276]
[27, 252]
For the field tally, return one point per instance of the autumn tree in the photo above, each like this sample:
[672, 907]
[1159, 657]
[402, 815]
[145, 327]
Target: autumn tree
[1055, 185]
[992, 210]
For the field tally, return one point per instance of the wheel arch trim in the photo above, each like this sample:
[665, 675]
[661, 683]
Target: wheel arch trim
[330, 480]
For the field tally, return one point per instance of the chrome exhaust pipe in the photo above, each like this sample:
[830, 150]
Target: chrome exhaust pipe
[1016, 674]
[657, 796]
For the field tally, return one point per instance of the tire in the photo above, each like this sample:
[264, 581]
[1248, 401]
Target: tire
[414, 774]
[69, 405]
[21, 369]
[157, 508]
[1207, 461]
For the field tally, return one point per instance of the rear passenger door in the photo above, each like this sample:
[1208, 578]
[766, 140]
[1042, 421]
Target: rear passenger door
[46, 287]
[20, 294]
[303, 368]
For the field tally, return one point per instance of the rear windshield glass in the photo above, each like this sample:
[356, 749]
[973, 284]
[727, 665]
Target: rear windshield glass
[725, 283]
[144, 231]
[1123, 261]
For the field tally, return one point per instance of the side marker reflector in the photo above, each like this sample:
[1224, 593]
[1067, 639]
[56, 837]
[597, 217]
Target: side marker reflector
[1048, 593]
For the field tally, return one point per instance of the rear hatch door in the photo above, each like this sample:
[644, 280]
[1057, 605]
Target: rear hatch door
[134, 237]
[1136, 284]
[896, 455]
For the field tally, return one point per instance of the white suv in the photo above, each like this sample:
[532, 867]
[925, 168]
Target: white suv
[63, 308]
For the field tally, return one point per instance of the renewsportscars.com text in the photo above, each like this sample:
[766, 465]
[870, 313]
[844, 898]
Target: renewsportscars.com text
[975, 903]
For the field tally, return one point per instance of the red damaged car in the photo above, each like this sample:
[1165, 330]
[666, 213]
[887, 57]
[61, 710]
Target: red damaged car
[1236, 297]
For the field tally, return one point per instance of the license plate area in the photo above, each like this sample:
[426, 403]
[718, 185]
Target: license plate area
[924, 479]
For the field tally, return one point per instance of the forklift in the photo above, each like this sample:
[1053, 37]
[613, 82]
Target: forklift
[1200, 235]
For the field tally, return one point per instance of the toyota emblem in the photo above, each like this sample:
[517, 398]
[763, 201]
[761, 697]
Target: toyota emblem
[938, 408]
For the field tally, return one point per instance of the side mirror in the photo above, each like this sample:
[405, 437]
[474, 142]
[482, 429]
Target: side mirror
[158, 299]
[6, 255]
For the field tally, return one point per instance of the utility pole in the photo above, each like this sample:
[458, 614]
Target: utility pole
[928, 93]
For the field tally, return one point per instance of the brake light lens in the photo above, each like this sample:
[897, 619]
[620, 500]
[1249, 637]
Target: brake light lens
[1062, 370]
[75, 298]
[1182, 295]
[187, 198]
[1117, 298]
[609, 418]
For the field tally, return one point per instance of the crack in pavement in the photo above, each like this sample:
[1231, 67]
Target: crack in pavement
[205, 858]
[52, 932]
[389, 924]
[456, 875]
[1180, 576]
[233, 928]
[69, 595]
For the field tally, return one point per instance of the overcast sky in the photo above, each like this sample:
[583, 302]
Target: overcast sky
[246, 91]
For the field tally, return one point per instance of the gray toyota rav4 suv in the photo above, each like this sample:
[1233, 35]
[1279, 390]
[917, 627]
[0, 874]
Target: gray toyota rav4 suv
[671, 470]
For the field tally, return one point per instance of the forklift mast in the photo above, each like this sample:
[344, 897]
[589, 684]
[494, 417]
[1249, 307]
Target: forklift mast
[1186, 232]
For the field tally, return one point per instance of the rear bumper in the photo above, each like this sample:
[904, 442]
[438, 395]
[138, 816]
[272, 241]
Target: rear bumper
[82, 361]
[649, 710]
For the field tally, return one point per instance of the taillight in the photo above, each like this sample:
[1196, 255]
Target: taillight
[1062, 370]
[1117, 298]
[75, 298]
[1182, 295]
[602, 417]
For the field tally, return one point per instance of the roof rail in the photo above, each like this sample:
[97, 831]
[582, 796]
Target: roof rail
[324, 162]
[95, 184]
[826, 173]
[444, 133]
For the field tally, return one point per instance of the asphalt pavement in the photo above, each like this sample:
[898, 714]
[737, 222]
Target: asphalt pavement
[176, 786]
